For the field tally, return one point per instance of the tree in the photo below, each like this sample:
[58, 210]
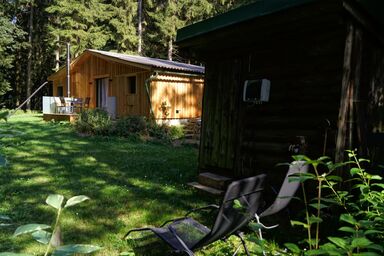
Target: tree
[10, 37]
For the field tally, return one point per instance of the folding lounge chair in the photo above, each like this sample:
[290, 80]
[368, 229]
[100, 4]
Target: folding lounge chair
[287, 191]
[185, 235]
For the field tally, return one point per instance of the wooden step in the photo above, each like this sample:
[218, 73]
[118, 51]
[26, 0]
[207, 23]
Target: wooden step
[214, 180]
[206, 189]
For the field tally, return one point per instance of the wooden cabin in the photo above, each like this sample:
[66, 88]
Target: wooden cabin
[128, 85]
[284, 77]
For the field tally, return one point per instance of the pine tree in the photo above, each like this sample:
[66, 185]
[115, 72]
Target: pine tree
[122, 25]
[10, 41]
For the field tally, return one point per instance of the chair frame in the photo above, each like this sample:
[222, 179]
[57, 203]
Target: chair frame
[248, 189]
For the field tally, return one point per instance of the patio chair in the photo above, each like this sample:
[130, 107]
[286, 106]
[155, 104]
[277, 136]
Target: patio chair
[185, 235]
[286, 193]
[86, 102]
[61, 105]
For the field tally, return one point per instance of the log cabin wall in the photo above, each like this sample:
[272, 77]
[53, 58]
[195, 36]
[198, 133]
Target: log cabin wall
[373, 67]
[304, 66]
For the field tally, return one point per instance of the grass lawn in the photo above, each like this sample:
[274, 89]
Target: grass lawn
[131, 184]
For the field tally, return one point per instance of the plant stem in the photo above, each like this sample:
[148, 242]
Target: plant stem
[307, 217]
[318, 212]
[53, 232]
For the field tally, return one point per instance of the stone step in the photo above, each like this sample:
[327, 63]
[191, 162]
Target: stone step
[206, 189]
[214, 180]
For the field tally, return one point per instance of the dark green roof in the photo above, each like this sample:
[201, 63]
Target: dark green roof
[261, 8]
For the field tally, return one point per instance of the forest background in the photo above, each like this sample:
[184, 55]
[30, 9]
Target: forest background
[34, 34]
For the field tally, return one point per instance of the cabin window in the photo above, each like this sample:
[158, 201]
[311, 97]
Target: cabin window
[60, 91]
[132, 85]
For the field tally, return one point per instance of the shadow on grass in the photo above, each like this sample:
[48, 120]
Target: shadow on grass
[130, 184]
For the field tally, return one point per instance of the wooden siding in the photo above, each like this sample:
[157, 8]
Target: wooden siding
[182, 92]
[176, 96]
[242, 139]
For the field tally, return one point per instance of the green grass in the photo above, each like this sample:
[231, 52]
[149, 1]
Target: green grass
[131, 184]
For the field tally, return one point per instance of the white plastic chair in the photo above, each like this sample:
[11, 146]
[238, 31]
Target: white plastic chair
[287, 191]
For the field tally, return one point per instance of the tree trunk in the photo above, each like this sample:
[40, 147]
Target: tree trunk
[30, 51]
[139, 28]
[170, 49]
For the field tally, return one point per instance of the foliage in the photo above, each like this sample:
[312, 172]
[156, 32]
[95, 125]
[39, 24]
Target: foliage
[131, 125]
[94, 121]
[40, 234]
[362, 232]
[10, 35]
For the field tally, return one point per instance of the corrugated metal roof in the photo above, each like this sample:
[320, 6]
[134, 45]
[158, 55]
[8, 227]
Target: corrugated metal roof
[261, 8]
[152, 62]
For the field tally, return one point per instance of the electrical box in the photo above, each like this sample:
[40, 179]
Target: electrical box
[256, 91]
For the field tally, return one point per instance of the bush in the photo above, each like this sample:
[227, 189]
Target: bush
[94, 121]
[132, 125]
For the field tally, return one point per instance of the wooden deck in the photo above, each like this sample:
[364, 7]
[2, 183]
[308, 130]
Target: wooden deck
[70, 117]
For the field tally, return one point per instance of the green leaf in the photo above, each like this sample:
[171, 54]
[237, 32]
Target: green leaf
[313, 219]
[29, 228]
[366, 254]
[376, 177]
[321, 206]
[348, 218]
[42, 236]
[376, 247]
[342, 243]
[360, 242]
[354, 171]
[347, 229]
[299, 223]
[76, 200]
[334, 178]
[293, 247]
[372, 232]
[71, 249]
[55, 201]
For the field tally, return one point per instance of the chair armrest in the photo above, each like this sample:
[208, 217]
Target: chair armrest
[135, 230]
[203, 208]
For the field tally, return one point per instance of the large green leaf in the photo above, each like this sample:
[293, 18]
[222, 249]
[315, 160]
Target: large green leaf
[29, 228]
[42, 236]
[76, 200]
[71, 249]
[348, 218]
[342, 243]
[4, 218]
[55, 201]
[293, 247]
[360, 242]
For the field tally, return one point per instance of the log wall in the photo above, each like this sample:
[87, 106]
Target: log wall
[241, 139]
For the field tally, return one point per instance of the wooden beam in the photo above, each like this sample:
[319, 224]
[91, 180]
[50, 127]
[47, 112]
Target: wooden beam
[345, 94]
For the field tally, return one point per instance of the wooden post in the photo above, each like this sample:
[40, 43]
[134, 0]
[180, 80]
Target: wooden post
[345, 95]
[350, 94]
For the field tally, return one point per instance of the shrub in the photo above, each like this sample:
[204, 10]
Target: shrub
[94, 121]
[132, 125]
[176, 132]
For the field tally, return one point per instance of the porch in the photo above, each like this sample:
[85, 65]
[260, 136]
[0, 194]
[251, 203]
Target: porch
[62, 108]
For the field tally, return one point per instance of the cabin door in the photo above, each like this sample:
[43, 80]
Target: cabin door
[103, 100]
